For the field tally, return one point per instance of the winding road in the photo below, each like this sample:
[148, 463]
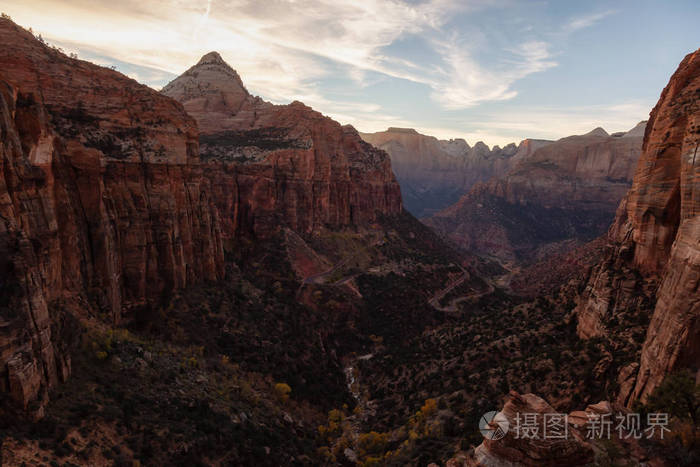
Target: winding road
[452, 306]
[318, 278]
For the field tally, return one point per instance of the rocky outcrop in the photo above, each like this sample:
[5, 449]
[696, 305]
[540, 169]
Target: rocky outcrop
[517, 449]
[290, 164]
[434, 173]
[566, 190]
[653, 258]
[106, 205]
[535, 438]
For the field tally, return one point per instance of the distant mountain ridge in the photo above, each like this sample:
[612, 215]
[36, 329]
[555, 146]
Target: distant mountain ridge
[568, 189]
[434, 173]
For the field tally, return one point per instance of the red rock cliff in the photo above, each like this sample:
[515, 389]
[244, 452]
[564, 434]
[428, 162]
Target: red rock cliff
[655, 240]
[565, 190]
[434, 173]
[290, 164]
[102, 204]
[106, 205]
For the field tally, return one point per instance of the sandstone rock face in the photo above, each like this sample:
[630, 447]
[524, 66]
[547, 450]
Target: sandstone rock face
[517, 451]
[106, 205]
[655, 240]
[290, 164]
[102, 205]
[434, 173]
[565, 190]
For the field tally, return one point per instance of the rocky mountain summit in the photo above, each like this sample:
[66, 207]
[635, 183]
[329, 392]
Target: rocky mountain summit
[563, 191]
[213, 91]
[434, 173]
[289, 164]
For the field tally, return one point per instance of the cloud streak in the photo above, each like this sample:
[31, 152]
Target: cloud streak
[466, 83]
[330, 53]
[586, 21]
[282, 47]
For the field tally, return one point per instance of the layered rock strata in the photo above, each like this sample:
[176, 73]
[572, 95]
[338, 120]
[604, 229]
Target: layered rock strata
[566, 190]
[290, 164]
[433, 173]
[653, 259]
[107, 205]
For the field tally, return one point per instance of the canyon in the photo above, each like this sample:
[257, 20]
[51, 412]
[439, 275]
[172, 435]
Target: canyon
[107, 203]
[198, 276]
[558, 196]
[434, 174]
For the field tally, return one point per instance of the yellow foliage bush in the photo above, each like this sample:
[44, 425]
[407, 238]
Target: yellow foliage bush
[282, 391]
[335, 415]
[372, 442]
[372, 462]
[429, 407]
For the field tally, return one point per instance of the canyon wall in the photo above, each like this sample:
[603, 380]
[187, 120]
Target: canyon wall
[291, 164]
[563, 192]
[106, 205]
[652, 261]
[102, 206]
[435, 173]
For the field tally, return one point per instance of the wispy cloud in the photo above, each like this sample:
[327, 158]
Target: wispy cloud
[586, 21]
[466, 83]
[281, 47]
[203, 20]
[291, 49]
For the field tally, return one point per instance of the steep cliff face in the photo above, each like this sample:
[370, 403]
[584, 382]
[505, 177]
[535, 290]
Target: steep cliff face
[102, 208]
[106, 205]
[653, 260]
[27, 351]
[291, 165]
[567, 190]
[434, 173]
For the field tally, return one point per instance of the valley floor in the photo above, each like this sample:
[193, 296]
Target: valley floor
[380, 346]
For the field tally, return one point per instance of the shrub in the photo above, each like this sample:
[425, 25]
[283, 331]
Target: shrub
[429, 407]
[282, 391]
[372, 442]
[679, 396]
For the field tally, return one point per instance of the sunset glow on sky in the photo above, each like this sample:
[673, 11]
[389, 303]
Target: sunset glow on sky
[497, 71]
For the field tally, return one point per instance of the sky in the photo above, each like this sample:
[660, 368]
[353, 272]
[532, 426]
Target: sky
[497, 71]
